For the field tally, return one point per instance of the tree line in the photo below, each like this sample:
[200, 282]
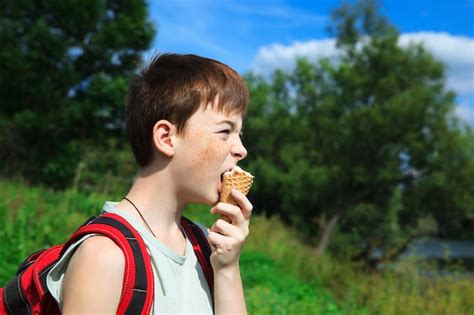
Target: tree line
[64, 70]
[366, 149]
[360, 153]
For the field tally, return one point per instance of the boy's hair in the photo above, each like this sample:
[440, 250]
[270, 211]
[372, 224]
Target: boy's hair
[173, 87]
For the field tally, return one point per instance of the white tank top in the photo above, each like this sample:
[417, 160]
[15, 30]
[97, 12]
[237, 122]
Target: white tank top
[180, 285]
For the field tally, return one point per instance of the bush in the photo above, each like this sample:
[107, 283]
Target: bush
[281, 275]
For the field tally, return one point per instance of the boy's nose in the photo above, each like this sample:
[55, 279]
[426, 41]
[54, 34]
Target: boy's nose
[238, 150]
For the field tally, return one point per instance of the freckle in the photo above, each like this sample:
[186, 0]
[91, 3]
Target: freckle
[207, 152]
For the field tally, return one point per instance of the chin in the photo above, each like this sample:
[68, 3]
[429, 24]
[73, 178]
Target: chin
[209, 203]
[215, 199]
[212, 201]
[207, 200]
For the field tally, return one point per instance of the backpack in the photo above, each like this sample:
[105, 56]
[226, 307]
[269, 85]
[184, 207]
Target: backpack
[27, 293]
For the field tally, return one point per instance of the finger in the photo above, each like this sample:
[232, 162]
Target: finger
[224, 228]
[244, 203]
[227, 243]
[217, 241]
[234, 213]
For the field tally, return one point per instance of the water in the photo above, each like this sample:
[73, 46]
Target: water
[441, 249]
[451, 257]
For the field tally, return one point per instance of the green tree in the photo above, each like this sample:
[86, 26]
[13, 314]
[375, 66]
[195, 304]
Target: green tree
[64, 67]
[366, 145]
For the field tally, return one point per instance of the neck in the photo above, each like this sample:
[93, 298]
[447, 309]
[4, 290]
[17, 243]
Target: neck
[154, 196]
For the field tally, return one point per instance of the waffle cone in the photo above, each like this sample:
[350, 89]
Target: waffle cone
[238, 179]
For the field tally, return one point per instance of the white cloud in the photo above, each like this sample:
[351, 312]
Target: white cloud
[455, 51]
[278, 56]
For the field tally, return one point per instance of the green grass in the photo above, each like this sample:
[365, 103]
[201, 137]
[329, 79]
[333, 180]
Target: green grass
[271, 290]
[281, 275]
[400, 291]
[33, 217]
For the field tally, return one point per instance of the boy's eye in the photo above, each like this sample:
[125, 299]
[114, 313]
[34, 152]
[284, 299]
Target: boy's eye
[226, 131]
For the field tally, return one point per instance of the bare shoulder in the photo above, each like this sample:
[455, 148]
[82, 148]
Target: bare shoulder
[93, 279]
[102, 251]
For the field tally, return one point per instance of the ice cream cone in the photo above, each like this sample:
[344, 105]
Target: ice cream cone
[238, 179]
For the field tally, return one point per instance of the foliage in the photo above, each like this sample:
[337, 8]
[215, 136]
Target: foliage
[283, 293]
[448, 191]
[280, 274]
[63, 74]
[399, 289]
[105, 169]
[34, 217]
[366, 145]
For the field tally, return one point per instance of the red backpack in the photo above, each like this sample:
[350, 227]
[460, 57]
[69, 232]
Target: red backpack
[28, 293]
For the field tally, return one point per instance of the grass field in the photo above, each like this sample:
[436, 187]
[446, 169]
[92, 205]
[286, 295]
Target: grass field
[280, 274]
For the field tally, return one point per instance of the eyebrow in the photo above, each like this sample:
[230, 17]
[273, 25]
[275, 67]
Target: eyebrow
[230, 122]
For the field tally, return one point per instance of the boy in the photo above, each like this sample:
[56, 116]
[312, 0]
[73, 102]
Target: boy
[184, 116]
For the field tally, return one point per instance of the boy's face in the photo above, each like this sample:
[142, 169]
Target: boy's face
[210, 146]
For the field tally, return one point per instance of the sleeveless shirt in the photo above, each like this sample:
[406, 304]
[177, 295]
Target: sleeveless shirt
[180, 284]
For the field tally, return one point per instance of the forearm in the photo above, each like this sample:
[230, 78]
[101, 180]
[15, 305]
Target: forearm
[228, 291]
[228, 237]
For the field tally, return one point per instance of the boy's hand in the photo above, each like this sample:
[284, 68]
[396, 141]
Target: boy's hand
[229, 233]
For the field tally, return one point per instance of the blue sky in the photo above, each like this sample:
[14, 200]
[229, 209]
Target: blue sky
[263, 35]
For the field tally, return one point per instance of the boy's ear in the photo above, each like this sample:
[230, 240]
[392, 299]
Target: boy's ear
[164, 137]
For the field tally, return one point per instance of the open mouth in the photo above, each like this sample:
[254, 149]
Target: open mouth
[221, 179]
[228, 170]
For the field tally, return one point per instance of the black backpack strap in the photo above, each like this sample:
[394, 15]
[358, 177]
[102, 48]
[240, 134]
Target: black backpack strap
[201, 247]
[138, 287]
[24, 293]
